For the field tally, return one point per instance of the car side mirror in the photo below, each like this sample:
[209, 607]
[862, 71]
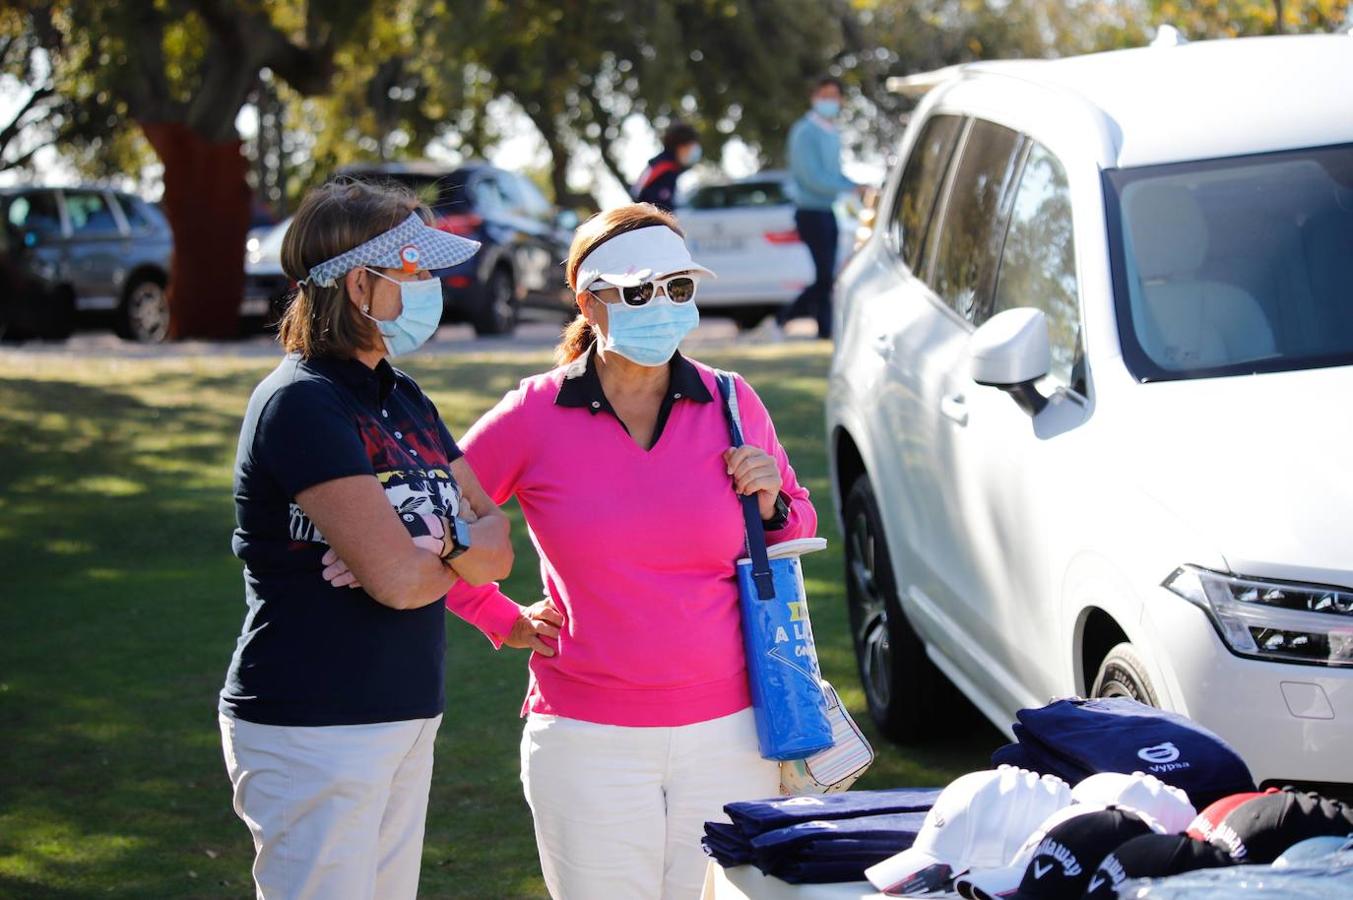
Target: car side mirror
[1010, 351]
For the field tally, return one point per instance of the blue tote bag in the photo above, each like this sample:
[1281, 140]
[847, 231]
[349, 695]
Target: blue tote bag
[787, 696]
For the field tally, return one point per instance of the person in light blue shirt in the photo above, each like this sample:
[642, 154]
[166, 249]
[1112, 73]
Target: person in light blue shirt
[815, 163]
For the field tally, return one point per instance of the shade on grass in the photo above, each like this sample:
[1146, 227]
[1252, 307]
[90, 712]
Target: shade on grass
[121, 603]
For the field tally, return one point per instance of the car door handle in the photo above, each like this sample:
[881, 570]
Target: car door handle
[954, 407]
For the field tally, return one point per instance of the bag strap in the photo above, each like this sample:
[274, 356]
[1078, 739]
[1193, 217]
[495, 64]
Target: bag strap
[751, 512]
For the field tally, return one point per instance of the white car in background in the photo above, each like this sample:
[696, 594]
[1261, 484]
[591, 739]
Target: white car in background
[744, 231]
[1089, 410]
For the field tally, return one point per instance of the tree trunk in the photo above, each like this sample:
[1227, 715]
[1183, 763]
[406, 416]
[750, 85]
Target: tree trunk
[206, 198]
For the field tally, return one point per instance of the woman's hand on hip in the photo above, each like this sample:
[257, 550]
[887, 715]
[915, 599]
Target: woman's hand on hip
[539, 620]
[755, 471]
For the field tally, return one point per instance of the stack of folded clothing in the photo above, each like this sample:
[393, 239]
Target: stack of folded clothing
[818, 840]
[1074, 739]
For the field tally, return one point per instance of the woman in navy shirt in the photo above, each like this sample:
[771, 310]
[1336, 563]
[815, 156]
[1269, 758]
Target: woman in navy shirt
[334, 693]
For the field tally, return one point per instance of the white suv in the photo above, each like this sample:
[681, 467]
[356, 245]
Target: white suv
[1090, 413]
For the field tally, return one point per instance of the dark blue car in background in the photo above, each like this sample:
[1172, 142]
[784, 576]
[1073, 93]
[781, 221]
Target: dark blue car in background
[525, 239]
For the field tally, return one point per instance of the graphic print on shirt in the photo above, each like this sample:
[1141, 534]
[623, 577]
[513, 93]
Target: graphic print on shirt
[411, 492]
[412, 489]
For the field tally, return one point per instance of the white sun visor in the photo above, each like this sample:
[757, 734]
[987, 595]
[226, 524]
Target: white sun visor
[637, 256]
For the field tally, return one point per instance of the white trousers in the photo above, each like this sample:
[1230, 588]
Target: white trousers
[336, 812]
[619, 811]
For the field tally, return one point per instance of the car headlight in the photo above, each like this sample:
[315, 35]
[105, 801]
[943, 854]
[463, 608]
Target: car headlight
[1277, 620]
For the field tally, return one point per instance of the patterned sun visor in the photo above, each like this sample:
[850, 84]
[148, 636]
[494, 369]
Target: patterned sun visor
[411, 245]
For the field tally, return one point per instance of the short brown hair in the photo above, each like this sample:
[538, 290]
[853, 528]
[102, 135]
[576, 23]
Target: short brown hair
[592, 234]
[333, 218]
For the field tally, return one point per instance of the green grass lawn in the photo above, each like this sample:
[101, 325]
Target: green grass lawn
[121, 604]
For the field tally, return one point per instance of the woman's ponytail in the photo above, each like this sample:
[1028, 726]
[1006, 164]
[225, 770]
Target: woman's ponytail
[577, 338]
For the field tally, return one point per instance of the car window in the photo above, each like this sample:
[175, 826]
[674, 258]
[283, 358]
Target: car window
[1038, 264]
[920, 185]
[969, 240]
[533, 202]
[136, 212]
[490, 197]
[742, 194]
[36, 212]
[1234, 265]
[89, 214]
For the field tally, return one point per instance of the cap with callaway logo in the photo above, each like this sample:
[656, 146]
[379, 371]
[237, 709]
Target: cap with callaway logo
[1314, 851]
[1153, 856]
[1260, 829]
[1059, 859]
[1165, 803]
[979, 821]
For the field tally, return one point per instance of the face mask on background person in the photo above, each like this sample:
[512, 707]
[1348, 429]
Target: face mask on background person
[648, 334]
[690, 155]
[827, 109]
[417, 321]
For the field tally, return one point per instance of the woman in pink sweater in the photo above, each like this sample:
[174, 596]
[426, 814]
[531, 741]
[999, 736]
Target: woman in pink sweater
[638, 719]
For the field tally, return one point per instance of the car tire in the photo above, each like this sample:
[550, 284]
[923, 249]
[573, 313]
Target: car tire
[144, 314]
[497, 310]
[1123, 673]
[906, 693]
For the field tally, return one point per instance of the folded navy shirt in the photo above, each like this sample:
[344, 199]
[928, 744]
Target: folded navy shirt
[893, 833]
[1030, 753]
[1117, 734]
[754, 817]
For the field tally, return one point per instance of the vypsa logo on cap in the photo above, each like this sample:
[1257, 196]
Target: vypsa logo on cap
[1163, 757]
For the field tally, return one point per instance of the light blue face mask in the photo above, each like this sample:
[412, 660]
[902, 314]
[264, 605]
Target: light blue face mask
[648, 334]
[417, 321]
[827, 109]
[692, 155]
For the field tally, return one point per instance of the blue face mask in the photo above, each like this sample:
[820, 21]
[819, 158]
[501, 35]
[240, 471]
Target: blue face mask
[692, 155]
[417, 321]
[827, 109]
[648, 334]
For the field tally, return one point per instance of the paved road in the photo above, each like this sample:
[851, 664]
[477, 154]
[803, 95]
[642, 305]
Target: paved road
[529, 336]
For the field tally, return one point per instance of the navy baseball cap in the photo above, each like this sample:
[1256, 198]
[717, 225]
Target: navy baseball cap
[1260, 829]
[1153, 856]
[1116, 734]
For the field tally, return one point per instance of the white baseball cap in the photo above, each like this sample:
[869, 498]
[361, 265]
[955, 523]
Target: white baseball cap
[978, 821]
[1139, 792]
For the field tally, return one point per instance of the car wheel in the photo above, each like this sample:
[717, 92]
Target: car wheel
[497, 312]
[902, 686]
[144, 316]
[1123, 674]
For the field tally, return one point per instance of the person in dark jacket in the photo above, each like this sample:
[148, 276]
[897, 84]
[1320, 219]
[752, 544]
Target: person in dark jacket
[680, 151]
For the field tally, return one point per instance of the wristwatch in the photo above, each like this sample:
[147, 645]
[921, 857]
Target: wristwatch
[780, 518]
[457, 539]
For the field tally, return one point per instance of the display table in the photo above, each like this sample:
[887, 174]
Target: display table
[748, 883]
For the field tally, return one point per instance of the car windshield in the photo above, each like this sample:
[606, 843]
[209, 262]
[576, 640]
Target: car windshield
[1234, 266]
[750, 193]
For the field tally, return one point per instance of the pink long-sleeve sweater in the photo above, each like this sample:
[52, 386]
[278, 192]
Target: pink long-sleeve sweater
[637, 550]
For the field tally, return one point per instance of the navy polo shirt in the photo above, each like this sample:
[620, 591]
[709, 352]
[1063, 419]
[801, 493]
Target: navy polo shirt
[312, 654]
